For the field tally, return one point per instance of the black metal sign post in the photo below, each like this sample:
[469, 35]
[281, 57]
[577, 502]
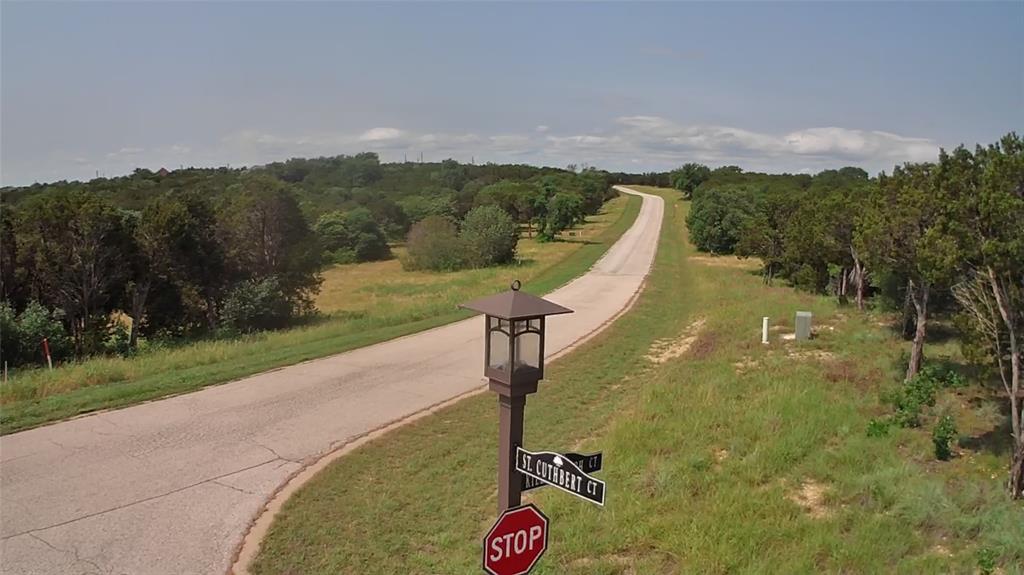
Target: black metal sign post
[559, 471]
[589, 463]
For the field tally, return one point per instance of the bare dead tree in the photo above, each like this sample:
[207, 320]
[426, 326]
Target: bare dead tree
[994, 303]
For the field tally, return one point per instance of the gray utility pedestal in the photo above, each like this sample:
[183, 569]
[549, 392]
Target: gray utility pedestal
[803, 325]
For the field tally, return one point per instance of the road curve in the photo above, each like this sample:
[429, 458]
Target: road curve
[172, 485]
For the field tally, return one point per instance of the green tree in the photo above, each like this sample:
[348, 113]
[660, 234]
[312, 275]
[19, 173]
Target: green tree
[904, 231]
[265, 235]
[688, 177]
[564, 210]
[489, 236]
[718, 217]
[352, 236]
[71, 246]
[991, 209]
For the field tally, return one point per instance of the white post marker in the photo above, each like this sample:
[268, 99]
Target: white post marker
[764, 329]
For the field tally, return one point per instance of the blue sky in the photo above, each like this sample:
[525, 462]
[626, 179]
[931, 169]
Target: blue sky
[108, 87]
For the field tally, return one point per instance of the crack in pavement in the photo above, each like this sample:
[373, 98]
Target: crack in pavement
[271, 450]
[144, 500]
[73, 552]
[238, 489]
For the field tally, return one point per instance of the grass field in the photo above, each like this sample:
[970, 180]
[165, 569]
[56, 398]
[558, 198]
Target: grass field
[721, 455]
[362, 304]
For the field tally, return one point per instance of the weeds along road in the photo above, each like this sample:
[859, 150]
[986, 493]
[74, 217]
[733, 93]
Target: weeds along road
[171, 486]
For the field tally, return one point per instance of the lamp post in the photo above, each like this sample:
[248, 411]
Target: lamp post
[513, 364]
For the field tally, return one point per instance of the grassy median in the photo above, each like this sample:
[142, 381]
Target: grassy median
[720, 454]
[362, 304]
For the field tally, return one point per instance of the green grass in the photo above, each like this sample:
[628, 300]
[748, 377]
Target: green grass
[364, 303]
[730, 457]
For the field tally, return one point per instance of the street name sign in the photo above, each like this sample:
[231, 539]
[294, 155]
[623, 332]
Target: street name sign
[589, 463]
[555, 469]
[516, 541]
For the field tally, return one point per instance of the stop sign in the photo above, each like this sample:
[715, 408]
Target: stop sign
[517, 540]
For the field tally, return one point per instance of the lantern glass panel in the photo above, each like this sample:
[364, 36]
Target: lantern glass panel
[497, 339]
[527, 346]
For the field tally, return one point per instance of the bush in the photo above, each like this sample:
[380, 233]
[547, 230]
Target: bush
[914, 395]
[878, 428]
[433, 244]
[21, 335]
[944, 432]
[353, 236]
[489, 237]
[255, 305]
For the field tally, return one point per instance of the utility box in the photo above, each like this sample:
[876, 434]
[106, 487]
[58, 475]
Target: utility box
[803, 325]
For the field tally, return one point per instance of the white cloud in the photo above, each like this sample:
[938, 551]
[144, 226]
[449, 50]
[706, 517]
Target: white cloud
[125, 152]
[379, 134]
[647, 141]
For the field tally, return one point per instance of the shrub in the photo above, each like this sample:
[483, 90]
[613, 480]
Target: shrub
[21, 335]
[489, 237]
[353, 236]
[878, 428]
[911, 399]
[117, 341]
[255, 305]
[987, 558]
[433, 244]
[942, 435]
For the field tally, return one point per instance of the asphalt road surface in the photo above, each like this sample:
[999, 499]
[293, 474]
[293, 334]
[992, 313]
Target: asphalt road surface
[172, 485]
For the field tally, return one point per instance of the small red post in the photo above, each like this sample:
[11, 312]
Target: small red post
[46, 352]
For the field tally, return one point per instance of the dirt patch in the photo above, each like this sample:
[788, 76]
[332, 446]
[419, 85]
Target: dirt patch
[665, 350]
[721, 455]
[746, 364]
[940, 549]
[812, 354]
[811, 497]
[726, 262]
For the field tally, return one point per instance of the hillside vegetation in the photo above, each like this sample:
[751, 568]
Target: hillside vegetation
[358, 305]
[941, 243]
[721, 455]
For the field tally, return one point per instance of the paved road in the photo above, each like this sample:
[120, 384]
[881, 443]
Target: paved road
[171, 486]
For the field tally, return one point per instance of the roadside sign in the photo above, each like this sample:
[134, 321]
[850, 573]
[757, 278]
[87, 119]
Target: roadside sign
[516, 541]
[557, 470]
[589, 463]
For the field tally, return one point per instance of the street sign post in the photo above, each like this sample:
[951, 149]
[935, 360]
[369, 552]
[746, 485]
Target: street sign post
[558, 470]
[589, 463]
[516, 542]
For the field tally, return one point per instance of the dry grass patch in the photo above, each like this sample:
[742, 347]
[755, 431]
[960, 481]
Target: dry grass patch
[665, 350]
[727, 262]
[745, 364]
[811, 497]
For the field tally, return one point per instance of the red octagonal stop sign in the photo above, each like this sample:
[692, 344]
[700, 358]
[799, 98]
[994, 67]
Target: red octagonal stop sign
[516, 542]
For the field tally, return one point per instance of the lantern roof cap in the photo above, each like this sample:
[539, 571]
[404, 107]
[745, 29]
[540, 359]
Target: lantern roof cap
[514, 304]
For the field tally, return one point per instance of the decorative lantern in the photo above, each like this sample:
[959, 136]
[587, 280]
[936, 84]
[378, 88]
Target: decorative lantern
[514, 338]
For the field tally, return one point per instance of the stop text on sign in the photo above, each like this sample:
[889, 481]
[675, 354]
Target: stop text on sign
[516, 541]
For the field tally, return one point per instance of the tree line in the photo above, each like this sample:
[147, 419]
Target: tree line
[944, 236]
[199, 252]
